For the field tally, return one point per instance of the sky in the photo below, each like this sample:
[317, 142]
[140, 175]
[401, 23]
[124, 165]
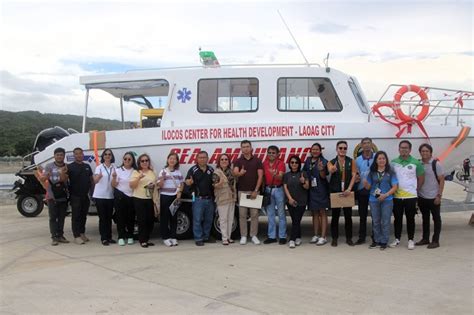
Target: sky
[47, 45]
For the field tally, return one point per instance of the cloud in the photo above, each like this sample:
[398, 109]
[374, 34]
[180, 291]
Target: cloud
[15, 83]
[329, 28]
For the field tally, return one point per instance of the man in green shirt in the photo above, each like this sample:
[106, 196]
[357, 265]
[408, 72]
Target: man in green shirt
[411, 175]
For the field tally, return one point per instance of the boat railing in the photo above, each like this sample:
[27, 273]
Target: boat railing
[233, 66]
[446, 106]
[30, 166]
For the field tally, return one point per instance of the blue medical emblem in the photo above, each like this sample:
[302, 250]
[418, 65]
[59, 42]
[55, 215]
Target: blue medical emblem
[184, 95]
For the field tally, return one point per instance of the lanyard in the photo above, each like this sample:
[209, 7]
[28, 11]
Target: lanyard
[379, 178]
[107, 171]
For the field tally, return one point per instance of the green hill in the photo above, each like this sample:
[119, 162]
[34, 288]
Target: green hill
[18, 130]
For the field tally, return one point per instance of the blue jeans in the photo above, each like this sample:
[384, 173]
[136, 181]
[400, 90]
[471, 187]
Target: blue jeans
[277, 200]
[381, 214]
[203, 213]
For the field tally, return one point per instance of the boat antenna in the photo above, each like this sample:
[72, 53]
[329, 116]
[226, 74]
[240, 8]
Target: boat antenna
[294, 39]
[326, 63]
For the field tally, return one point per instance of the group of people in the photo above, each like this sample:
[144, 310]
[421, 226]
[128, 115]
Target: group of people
[137, 194]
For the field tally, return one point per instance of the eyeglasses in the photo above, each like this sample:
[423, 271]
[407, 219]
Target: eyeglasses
[143, 161]
[293, 162]
[127, 159]
[342, 148]
[224, 159]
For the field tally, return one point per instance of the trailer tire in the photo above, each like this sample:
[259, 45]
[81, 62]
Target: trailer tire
[184, 216]
[30, 205]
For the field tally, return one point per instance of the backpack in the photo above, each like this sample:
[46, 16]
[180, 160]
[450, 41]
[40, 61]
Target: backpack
[433, 166]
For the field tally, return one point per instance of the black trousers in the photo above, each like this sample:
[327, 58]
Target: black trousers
[296, 214]
[125, 215]
[80, 209]
[168, 222]
[145, 218]
[57, 214]
[407, 206]
[336, 213]
[105, 209]
[363, 202]
[427, 206]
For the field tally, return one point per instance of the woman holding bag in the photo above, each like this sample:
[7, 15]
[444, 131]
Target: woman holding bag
[225, 196]
[170, 181]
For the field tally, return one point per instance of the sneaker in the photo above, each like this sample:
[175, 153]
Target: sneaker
[373, 245]
[167, 242]
[243, 240]
[121, 242]
[62, 239]
[84, 238]
[422, 242]
[292, 244]
[298, 242]
[54, 242]
[282, 241]
[255, 240]
[79, 241]
[314, 239]
[395, 243]
[199, 243]
[321, 241]
[383, 246]
[174, 242]
[411, 244]
[270, 241]
[360, 241]
[334, 243]
[130, 241]
[433, 245]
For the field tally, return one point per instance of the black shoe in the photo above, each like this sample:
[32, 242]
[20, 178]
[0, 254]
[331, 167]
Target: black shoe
[210, 240]
[282, 241]
[269, 241]
[360, 241]
[105, 243]
[350, 242]
[334, 243]
[199, 243]
[422, 242]
[111, 241]
[433, 245]
[150, 244]
[373, 245]
[383, 246]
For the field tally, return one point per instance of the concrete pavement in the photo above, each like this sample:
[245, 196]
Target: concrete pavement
[39, 278]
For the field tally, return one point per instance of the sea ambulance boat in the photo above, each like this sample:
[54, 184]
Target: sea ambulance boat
[213, 108]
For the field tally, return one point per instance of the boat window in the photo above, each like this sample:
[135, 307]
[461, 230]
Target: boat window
[227, 95]
[358, 97]
[307, 94]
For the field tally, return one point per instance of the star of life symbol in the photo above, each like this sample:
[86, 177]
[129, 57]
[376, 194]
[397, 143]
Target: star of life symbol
[184, 95]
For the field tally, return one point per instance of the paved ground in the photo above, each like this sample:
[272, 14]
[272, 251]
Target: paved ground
[38, 278]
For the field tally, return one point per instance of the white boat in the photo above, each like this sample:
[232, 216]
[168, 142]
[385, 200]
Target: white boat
[290, 106]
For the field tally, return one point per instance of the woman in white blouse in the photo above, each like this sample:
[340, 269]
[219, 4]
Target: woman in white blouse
[123, 199]
[170, 181]
[104, 195]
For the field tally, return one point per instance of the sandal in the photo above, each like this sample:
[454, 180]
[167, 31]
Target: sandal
[225, 242]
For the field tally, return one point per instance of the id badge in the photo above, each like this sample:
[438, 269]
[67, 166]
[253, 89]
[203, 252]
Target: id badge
[342, 186]
[377, 192]
[314, 182]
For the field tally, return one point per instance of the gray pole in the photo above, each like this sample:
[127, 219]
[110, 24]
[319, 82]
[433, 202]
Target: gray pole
[84, 118]
[121, 111]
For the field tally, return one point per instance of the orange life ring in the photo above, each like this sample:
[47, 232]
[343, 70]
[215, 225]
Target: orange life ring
[425, 107]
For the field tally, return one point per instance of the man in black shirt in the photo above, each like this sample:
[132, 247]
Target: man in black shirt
[199, 177]
[80, 183]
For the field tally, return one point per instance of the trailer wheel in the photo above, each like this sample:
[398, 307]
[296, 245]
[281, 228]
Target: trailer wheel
[216, 229]
[30, 205]
[184, 216]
